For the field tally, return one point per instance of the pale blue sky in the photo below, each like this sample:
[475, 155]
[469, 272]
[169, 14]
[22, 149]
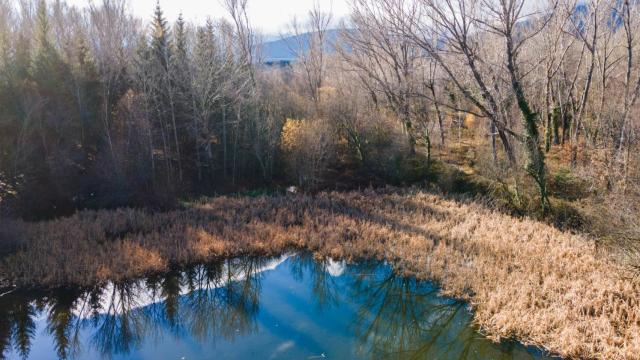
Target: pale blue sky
[270, 16]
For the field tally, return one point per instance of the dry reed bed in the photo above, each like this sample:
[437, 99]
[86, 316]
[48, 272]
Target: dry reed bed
[525, 279]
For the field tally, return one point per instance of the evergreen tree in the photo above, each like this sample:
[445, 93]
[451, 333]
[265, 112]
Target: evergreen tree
[53, 116]
[88, 89]
[165, 92]
[182, 75]
[181, 41]
[48, 66]
[206, 90]
[160, 39]
[181, 64]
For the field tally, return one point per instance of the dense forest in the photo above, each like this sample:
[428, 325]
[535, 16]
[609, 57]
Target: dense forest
[102, 109]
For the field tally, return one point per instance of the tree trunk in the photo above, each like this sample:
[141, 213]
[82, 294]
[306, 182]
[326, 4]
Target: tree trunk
[494, 150]
[549, 117]
[536, 165]
[438, 113]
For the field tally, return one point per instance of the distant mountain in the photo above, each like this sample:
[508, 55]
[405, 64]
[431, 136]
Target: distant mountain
[284, 49]
[279, 50]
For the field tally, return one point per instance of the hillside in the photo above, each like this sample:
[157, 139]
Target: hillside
[285, 48]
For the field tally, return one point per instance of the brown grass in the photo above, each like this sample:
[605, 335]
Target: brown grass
[524, 279]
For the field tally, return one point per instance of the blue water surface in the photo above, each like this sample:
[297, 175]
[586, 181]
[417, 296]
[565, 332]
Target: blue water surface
[291, 307]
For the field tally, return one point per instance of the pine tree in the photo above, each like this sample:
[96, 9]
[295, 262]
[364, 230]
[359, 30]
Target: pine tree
[56, 133]
[49, 70]
[44, 53]
[181, 40]
[164, 86]
[181, 72]
[88, 88]
[206, 91]
[160, 38]
[181, 67]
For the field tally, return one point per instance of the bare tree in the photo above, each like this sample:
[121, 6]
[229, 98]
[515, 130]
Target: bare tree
[453, 32]
[432, 85]
[503, 18]
[246, 36]
[587, 28]
[630, 17]
[386, 63]
[550, 50]
[448, 32]
[113, 37]
[309, 43]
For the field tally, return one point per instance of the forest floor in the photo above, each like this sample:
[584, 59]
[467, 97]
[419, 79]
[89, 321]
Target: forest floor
[591, 198]
[525, 279]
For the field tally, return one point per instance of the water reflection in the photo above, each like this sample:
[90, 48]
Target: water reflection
[17, 325]
[400, 318]
[293, 307]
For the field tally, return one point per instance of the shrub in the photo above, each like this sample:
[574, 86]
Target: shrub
[564, 185]
[309, 147]
[11, 236]
[8, 195]
[566, 217]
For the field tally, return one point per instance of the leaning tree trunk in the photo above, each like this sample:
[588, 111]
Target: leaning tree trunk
[535, 166]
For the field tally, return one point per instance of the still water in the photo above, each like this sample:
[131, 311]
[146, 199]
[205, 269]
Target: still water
[291, 307]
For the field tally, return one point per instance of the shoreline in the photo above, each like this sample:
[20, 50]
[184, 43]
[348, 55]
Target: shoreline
[205, 286]
[524, 279]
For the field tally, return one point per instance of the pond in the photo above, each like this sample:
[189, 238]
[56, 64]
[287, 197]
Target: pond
[290, 307]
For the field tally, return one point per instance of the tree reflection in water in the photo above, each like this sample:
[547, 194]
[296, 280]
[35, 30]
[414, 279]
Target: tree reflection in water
[121, 326]
[391, 317]
[401, 318]
[17, 325]
[324, 288]
[219, 299]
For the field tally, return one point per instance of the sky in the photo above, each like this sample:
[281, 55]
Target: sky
[269, 16]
